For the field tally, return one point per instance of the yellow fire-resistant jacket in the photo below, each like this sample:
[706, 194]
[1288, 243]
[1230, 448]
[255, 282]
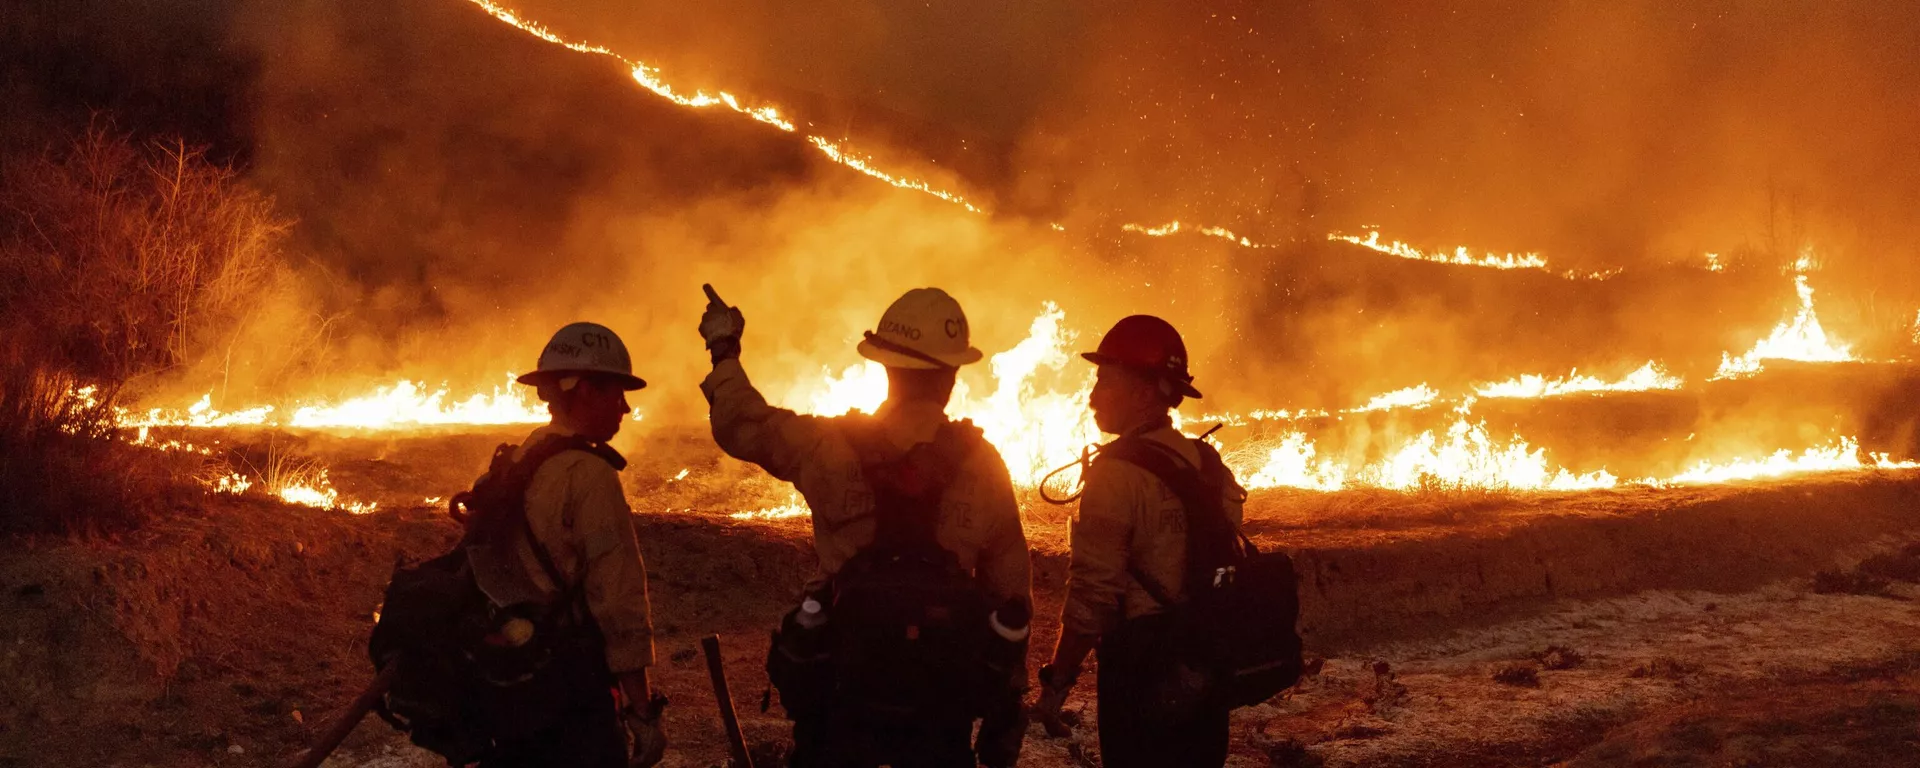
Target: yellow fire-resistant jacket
[979, 519]
[577, 509]
[1127, 516]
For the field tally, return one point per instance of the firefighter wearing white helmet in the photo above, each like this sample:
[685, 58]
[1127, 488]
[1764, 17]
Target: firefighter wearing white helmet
[901, 495]
[579, 540]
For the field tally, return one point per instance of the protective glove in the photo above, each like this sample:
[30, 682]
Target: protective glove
[647, 739]
[1054, 688]
[721, 327]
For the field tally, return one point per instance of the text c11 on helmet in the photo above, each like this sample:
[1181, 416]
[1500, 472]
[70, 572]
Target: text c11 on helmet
[584, 349]
[1148, 344]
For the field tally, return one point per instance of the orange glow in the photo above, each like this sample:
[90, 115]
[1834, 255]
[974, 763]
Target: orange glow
[1419, 396]
[407, 404]
[1465, 457]
[1841, 455]
[1460, 255]
[794, 508]
[1292, 464]
[1175, 226]
[1799, 338]
[1647, 377]
[401, 405]
[307, 487]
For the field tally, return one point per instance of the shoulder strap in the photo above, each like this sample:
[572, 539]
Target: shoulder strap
[513, 476]
[908, 486]
[1212, 540]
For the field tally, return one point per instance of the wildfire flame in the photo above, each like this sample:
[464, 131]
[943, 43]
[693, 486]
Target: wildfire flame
[1036, 429]
[1292, 464]
[1173, 227]
[309, 489]
[795, 507]
[1800, 338]
[401, 405]
[1460, 256]
[1647, 377]
[408, 404]
[1419, 396]
[649, 78]
[1466, 456]
[1840, 455]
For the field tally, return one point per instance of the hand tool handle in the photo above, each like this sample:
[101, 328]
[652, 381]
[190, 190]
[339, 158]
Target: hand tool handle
[710, 646]
[343, 725]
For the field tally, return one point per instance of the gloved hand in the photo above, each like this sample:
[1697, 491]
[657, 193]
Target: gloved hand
[649, 740]
[721, 327]
[1054, 688]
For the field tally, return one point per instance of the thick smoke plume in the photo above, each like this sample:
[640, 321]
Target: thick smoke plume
[463, 188]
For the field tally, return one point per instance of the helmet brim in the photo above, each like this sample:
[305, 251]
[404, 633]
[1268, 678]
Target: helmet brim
[627, 381]
[1185, 388]
[892, 359]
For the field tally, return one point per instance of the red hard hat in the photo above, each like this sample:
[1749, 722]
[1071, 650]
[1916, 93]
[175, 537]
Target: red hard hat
[1150, 344]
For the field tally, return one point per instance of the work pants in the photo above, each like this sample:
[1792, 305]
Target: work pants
[841, 738]
[833, 733]
[1135, 732]
[564, 718]
[586, 735]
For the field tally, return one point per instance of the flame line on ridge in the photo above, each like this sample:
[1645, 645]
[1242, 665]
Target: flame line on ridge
[649, 78]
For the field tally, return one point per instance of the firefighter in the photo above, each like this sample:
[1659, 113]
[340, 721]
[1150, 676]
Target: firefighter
[851, 469]
[1130, 528]
[583, 537]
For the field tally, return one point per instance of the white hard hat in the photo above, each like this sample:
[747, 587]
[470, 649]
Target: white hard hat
[584, 348]
[923, 329]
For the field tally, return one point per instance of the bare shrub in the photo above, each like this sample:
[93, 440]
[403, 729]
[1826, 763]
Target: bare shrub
[125, 261]
[118, 262]
[1557, 657]
[1517, 674]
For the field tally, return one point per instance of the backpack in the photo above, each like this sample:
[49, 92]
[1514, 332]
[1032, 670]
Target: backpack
[909, 624]
[1236, 628]
[473, 672]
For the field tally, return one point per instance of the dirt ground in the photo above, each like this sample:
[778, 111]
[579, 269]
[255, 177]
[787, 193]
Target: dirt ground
[229, 635]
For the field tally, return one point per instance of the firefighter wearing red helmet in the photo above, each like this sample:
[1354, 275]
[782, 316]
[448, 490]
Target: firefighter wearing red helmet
[1129, 557]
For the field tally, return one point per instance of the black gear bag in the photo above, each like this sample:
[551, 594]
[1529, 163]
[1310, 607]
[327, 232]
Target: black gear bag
[909, 626]
[474, 673]
[1234, 635]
